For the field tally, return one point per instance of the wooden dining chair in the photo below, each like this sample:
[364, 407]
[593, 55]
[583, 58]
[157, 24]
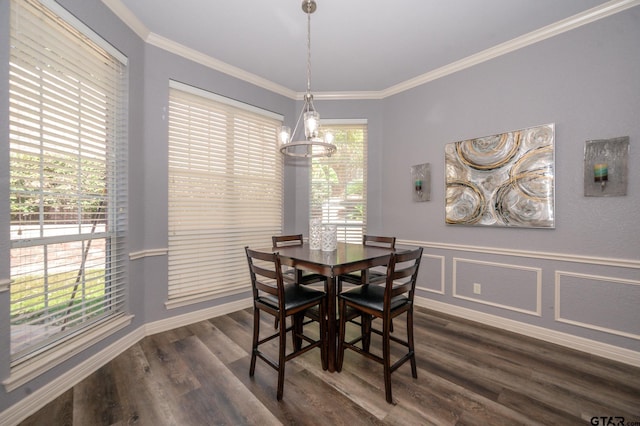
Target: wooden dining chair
[293, 275]
[275, 297]
[387, 302]
[368, 276]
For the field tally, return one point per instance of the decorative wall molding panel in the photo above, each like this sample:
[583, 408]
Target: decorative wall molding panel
[432, 282]
[595, 312]
[512, 287]
[4, 285]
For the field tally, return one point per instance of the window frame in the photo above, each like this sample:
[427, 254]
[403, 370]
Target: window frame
[63, 32]
[341, 208]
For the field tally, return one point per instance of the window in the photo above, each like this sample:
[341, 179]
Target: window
[225, 191]
[339, 183]
[68, 181]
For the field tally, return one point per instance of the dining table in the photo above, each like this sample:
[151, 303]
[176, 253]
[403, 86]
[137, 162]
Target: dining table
[346, 258]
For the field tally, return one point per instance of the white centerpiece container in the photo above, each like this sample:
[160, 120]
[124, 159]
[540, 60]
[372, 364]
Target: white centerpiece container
[329, 237]
[315, 234]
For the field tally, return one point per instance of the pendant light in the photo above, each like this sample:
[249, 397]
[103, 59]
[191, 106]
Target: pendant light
[316, 143]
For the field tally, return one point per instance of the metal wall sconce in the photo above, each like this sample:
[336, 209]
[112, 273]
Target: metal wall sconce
[605, 167]
[421, 182]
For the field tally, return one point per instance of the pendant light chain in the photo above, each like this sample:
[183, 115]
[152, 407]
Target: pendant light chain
[308, 49]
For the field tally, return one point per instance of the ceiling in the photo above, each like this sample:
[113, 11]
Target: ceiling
[366, 46]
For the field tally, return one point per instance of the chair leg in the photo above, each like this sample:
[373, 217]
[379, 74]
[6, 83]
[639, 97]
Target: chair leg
[281, 362]
[254, 345]
[341, 336]
[275, 323]
[298, 319]
[386, 355]
[365, 329]
[410, 342]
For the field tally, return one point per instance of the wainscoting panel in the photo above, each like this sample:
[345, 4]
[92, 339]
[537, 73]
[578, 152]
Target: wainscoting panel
[513, 287]
[431, 275]
[601, 303]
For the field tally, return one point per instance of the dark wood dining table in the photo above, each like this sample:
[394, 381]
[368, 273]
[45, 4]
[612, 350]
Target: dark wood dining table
[348, 257]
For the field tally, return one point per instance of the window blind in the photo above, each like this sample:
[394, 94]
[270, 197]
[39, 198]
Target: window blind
[68, 181]
[225, 192]
[338, 184]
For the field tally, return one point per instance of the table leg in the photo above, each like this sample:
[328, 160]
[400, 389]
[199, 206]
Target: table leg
[331, 324]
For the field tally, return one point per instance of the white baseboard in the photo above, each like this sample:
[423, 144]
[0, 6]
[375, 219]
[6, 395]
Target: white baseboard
[593, 347]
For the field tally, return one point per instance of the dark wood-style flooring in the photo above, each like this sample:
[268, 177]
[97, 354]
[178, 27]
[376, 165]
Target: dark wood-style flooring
[468, 374]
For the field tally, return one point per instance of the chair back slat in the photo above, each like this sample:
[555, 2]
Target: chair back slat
[287, 240]
[379, 241]
[402, 266]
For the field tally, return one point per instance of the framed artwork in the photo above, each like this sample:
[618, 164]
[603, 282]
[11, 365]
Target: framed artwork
[421, 182]
[504, 180]
[605, 167]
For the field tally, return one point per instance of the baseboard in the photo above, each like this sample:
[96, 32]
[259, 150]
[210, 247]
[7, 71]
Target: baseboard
[593, 347]
[197, 316]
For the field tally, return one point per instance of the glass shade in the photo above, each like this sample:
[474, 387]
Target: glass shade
[311, 124]
[329, 137]
[284, 134]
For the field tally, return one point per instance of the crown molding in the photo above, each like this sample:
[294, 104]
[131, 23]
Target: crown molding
[594, 14]
[588, 16]
[223, 67]
[131, 20]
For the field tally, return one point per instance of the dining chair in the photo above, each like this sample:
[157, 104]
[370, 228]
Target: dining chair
[387, 302]
[275, 297]
[368, 276]
[293, 275]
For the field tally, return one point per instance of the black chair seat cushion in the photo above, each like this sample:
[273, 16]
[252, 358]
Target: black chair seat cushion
[372, 297]
[294, 296]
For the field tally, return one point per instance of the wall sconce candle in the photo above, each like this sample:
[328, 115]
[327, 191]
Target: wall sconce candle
[418, 185]
[601, 173]
[606, 167]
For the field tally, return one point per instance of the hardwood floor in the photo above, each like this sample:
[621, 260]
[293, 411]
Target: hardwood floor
[468, 374]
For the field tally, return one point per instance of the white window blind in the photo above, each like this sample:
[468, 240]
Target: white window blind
[68, 181]
[338, 192]
[225, 192]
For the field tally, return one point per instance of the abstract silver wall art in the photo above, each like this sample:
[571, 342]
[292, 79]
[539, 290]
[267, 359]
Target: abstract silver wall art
[421, 182]
[605, 167]
[502, 180]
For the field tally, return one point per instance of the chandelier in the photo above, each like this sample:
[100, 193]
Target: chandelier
[316, 143]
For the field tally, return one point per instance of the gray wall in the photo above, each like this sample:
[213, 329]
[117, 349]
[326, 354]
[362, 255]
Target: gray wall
[585, 81]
